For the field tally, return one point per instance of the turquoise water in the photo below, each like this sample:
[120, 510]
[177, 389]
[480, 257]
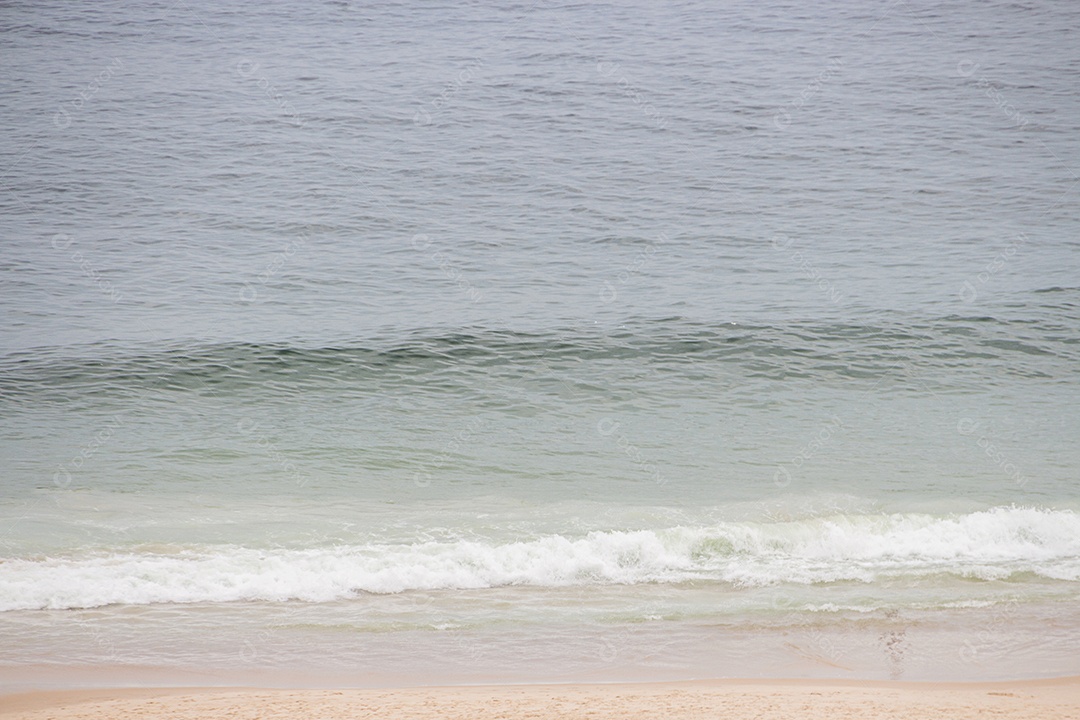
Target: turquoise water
[534, 342]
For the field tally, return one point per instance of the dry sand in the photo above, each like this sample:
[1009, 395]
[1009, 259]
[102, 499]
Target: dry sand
[794, 699]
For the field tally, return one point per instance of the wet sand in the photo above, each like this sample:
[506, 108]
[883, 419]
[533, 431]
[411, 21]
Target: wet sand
[807, 699]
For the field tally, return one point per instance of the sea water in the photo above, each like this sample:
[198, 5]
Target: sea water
[400, 344]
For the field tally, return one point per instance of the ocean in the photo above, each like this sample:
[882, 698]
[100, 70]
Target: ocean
[393, 343]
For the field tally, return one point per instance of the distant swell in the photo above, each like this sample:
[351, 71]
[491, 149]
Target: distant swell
[994, 544]
[441, 360]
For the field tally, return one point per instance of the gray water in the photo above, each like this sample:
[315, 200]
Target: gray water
[538, 342]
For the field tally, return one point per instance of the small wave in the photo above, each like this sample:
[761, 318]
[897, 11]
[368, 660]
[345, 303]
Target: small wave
[441, 360]
[993, 544]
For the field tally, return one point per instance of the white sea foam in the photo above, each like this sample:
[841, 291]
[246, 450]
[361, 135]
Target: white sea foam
[997, 543]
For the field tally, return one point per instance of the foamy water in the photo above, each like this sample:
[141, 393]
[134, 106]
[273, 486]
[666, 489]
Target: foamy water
[1001, 544]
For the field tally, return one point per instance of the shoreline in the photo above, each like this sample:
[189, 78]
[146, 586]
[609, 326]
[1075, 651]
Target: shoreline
[780, 698]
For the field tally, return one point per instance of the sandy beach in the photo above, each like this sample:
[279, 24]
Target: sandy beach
[1042, 699]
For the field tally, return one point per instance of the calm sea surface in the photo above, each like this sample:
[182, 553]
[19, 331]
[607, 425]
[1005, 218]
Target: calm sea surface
[403, 343]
